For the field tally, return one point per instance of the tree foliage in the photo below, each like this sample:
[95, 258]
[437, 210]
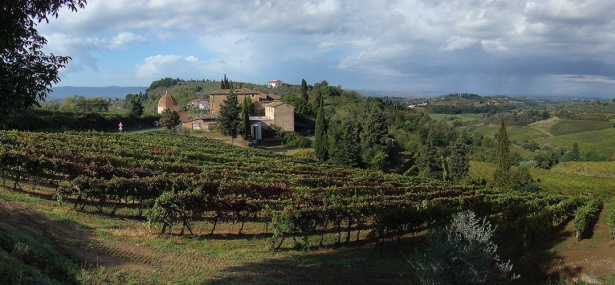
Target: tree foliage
[135, 107]
[245, 119]
[304, 90]
[26, 72]
[164, 82]
[225, 84]
[574, 154]
[169, 119]
[458, 164]
[77, 103]
[502, 156]
[321, 144]
[229, 119]
[463, 253]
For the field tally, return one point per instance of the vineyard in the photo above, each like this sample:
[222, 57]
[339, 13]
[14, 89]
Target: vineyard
[185, 185]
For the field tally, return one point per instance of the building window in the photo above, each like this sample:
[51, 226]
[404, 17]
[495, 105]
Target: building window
[196, 126]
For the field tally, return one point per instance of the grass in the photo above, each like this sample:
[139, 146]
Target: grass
[136, 255]
[466, 117]
[587, 168]
[565, 126]
[517, 134]
[553, 181]
[598, 145]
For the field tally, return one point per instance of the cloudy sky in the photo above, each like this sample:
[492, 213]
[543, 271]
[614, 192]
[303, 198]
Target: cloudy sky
[511, 47]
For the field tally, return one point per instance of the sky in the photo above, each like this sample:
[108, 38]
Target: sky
[487, 47]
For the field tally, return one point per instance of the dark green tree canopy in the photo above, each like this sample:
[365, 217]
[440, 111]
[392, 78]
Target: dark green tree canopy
[169, 119]
[304, 90]
[26, 72]
[229, 119]
[321, 143]
[135, 107]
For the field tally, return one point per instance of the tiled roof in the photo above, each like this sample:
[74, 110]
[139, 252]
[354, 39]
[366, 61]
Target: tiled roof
[167, 100]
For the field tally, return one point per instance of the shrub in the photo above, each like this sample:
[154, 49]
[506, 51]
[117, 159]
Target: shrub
[463, 254]
[296, 140]
[610, 218]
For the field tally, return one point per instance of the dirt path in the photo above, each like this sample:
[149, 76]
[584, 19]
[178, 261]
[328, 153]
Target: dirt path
[595, 254]
[544, 131]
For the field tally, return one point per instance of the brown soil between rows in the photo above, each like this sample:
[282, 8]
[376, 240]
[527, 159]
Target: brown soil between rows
[594, 254]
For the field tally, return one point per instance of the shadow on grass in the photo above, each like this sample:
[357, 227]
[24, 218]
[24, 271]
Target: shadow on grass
[540, 263]
[355, 264]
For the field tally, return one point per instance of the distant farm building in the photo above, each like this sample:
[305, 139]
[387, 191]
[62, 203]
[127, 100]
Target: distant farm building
[275, 83]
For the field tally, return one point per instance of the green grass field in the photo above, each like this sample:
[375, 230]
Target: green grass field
[554, 181]
[462, 117]
[587, 168]
[564, 127]
[593, 145]
[515, 133]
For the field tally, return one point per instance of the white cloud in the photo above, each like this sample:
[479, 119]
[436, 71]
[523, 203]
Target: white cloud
[125, 38]
[390, 39]
[156, 65]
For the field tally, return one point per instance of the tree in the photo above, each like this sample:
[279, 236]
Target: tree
[26, 72]
[304, 90]
[458, 164]
[135, 108]
[345, 148]
[501, 174]
[169, 119]
[574, 155]
[224, 84]
[228, 119]
[463, 253]
[245, 116]
[321, 144]
[430, 162]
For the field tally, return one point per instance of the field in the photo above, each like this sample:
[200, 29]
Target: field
[596, 139]
[161, 208]
[466, 117]
[592, 181]
[597, 145]
[516, 134]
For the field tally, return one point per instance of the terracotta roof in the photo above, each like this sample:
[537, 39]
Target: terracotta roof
[167, 100]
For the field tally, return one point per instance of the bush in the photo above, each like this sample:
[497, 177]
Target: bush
[296, 140]
[463, 254]
[610, 218]
[585, 216]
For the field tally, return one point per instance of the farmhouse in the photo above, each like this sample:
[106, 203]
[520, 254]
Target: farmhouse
[204, 122]
[274, 83]
[268, 111]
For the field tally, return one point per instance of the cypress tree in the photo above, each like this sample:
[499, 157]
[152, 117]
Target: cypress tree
[304, 90]
[245, 115]
[320, 141]
[574, 155]
[501, 174]
[458, 162]
[229, 119]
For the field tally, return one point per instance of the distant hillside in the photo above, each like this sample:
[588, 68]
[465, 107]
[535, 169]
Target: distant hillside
[103, 92]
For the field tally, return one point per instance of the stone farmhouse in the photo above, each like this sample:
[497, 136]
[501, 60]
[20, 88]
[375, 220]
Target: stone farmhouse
[268, 111]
